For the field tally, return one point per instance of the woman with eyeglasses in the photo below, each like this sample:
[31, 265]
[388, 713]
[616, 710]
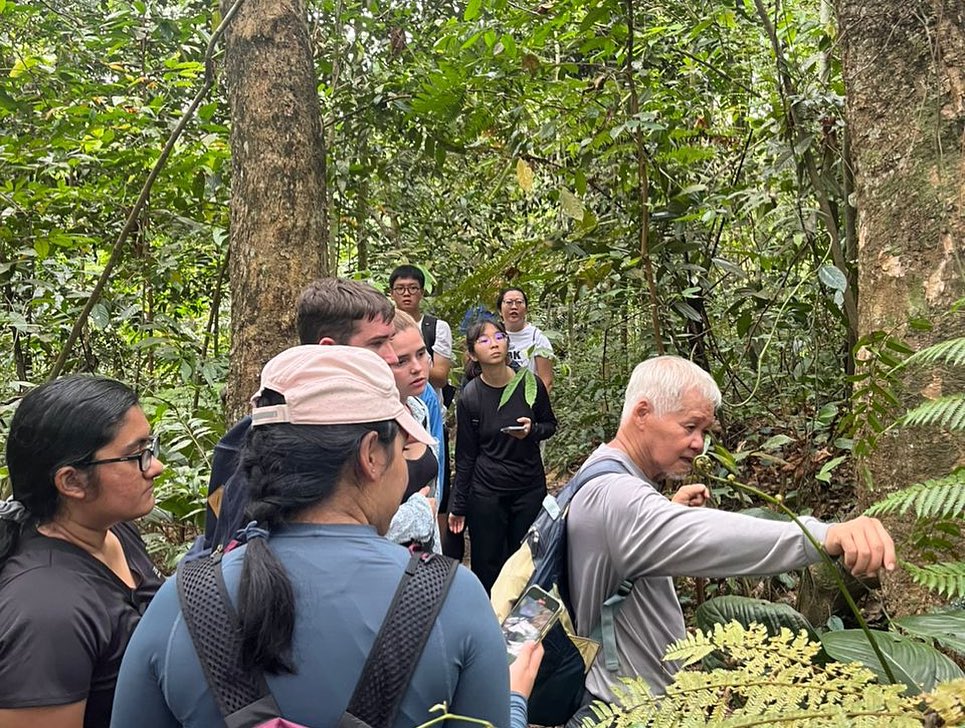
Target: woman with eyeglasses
[528, 346]
[500, 483]
[75, 576]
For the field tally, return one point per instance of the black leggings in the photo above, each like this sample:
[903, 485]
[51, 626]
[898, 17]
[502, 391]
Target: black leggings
[497, 522]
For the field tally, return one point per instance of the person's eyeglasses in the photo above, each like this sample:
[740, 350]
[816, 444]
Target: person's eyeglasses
[498, 336]
[514, 302]
[414, 288]
[144, 457]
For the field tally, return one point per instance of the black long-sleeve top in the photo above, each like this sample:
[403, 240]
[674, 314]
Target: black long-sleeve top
[491, 458]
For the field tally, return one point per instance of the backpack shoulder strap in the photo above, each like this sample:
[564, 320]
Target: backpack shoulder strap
[603, 466]
[429, 331]
[471, 396]
[242, 697]
[400, 642]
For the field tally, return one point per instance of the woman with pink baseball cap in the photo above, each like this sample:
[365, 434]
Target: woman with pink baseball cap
[313, 579]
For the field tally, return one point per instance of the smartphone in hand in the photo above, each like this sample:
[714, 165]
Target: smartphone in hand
[531, 618]
[513, 428]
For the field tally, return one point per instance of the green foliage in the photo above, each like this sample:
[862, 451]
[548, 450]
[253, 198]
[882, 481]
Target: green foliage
[746, 611]
[947, 628]
[947, 412]
[912, 660]
[916, 664]
[769, 680]
[528, 379]
[951, 351]
[939, 498]
[939, 504]
[946, 579]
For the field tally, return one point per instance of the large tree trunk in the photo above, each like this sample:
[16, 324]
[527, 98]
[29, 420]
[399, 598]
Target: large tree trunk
[904, 71]
[278, 227]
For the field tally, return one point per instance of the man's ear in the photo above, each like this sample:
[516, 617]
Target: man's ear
[72, 483]
[641, 410]
[326, 341]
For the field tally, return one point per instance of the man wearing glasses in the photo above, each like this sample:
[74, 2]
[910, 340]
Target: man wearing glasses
[407, 288]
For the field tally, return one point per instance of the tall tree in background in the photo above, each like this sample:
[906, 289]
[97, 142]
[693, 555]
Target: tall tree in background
[904, 70]
[278, 225]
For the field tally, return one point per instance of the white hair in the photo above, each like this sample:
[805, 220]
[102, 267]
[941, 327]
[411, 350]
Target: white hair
[663, 381]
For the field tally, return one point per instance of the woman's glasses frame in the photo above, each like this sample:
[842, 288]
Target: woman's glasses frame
[144, 457]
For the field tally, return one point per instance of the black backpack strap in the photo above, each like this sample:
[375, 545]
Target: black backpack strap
[242, 697]
[400, 642]
[429, 331]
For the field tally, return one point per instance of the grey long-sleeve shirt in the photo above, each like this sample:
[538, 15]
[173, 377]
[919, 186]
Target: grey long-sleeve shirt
[621, 527]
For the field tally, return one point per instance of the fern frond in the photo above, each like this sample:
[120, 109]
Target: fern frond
[947, 412]
[951, 351]
[771, 681]
[947, 579]
[948, 701]
[939, 498]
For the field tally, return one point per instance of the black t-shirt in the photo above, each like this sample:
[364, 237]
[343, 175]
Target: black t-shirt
[65, 620]
[492, 459]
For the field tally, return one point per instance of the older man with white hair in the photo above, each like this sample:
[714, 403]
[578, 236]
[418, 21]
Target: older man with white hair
[622, 530]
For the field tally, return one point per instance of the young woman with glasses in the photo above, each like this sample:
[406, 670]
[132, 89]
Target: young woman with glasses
[500, 482]
[74, 574]
[528, 346]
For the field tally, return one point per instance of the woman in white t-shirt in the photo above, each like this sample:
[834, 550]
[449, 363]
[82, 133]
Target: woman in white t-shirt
[528, 346]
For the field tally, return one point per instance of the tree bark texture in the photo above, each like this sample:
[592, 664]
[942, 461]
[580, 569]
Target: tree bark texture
[904, 72]
[278, 218]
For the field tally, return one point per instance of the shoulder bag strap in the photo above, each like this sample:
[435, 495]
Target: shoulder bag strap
[429, 331]
[605, 631]
[400, 642]
[242, 697]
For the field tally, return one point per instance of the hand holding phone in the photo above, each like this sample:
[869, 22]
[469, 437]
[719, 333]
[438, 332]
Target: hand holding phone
[513, 428]
[531, 618]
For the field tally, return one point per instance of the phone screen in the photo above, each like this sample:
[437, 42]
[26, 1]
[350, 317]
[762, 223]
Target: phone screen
[531, 618]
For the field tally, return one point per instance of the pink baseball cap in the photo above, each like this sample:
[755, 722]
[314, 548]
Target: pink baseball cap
[333, 385]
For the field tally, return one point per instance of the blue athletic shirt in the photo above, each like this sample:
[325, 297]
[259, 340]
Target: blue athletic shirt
[343, 577]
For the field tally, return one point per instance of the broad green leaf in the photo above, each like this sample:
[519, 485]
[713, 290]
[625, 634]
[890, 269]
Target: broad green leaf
[832, 277]
[524, 175]
[473, 8]
[914, 663]
[773, 443]
[572, 205]
[824, 475]
[772, 615]
[511, 387]
[948, 628]
[100, 316]
[530, 391]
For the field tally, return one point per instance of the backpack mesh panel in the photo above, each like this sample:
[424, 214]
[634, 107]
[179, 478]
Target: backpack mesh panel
[208, 615]
[401, 635]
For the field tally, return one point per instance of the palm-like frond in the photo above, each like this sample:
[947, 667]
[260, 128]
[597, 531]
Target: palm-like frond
[951, 351]
[946, 579]
[947, 412]
[940, 498]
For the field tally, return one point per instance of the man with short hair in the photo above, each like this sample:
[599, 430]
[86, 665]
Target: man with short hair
[622, 530]
[407, 287]
[329, 311]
